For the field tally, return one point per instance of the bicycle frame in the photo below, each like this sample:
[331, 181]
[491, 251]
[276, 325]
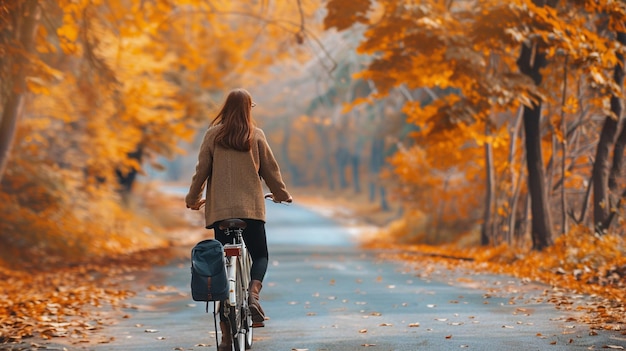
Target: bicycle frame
[237, 254]
[238, 264]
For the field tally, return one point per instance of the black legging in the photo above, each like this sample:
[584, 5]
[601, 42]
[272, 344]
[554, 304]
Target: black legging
[256, 242]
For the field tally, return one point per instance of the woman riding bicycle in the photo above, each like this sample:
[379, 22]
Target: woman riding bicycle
[234, 157]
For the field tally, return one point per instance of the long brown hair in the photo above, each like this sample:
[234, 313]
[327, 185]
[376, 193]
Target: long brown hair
[236, 120]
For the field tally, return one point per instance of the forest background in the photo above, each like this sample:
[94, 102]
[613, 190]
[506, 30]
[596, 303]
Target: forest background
[490, 131]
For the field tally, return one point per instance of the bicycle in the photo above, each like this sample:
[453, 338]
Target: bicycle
[238, 263]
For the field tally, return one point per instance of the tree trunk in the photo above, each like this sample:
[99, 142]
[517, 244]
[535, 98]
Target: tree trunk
[326, 165]
[515, 181]
[126, 180]
[356, 175]
[601, 203]
[602, 171]
[530, 62]
[620, 144]
[375, 166]
[564, 225]
[384, 205]
[486, 233]
[290, 167]
[27, 18]
[342, 157]
[541, 221]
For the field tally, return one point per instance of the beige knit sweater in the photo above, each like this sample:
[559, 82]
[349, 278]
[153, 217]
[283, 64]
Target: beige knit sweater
[233, 179]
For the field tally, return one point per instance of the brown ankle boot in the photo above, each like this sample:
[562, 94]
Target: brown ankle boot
[258, 315]
[227, 341]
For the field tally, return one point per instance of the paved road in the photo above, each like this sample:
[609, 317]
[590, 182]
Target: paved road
[322, 293]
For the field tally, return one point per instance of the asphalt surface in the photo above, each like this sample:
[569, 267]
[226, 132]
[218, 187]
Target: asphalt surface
[322, 293]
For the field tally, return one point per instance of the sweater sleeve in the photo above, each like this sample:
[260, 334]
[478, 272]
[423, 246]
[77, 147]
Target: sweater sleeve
[203, 170]
[270, 171]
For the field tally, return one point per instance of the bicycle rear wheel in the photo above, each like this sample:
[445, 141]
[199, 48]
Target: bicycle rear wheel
[246, 263]
[245, 340]
[240, 317]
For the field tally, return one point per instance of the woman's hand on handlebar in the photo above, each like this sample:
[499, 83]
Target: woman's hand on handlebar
[197, 205]
[270, 196]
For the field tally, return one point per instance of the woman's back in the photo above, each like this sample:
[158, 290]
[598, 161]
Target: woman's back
[233, 178]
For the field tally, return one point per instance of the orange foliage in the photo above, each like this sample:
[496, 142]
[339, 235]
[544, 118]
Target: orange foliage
[114, 86]
[459, 63]
[27, 310]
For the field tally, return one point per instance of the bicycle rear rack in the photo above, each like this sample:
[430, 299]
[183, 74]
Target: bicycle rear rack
[232, 250]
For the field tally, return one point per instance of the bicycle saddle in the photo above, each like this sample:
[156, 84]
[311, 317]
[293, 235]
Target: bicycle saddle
[232, 223]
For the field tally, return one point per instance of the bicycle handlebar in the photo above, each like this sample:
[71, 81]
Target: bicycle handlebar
[270, 196]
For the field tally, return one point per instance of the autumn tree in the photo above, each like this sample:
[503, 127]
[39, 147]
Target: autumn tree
[18, 21]
[462, 103]
[112, 87]
[479, 64]
[604, 174]
[532, 59]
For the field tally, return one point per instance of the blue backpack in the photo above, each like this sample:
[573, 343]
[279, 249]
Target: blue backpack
[208, 272]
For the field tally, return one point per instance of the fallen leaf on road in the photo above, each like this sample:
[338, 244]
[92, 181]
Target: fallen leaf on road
[368, 345]
[414, 325]
[448, 336]
[385, 325]
[614, 347]
[151, 331]
[363, 331]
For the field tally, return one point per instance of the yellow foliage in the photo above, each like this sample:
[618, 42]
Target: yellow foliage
[114, 85]
[45, 218]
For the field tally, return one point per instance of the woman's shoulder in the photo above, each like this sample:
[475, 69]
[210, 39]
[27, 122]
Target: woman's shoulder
[258, 133]
[213, 128]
